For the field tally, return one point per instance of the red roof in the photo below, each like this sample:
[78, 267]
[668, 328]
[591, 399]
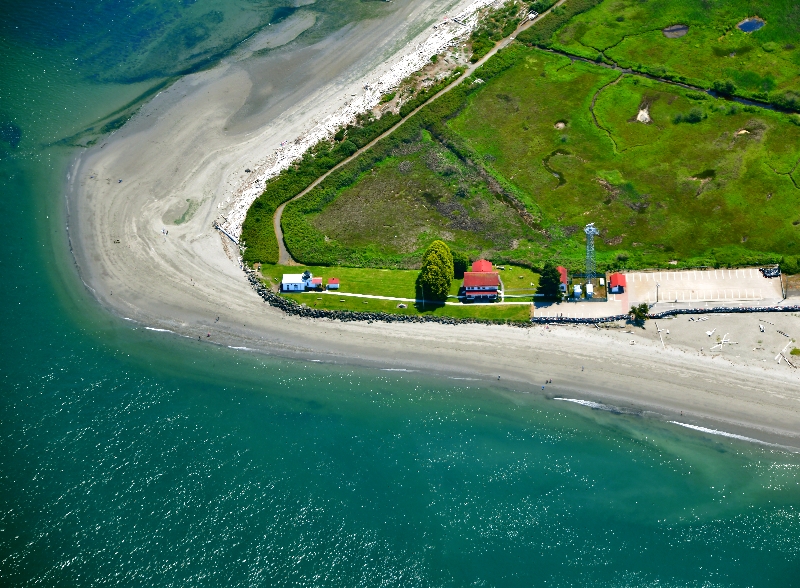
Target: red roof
[474, 279]
[482, 266]
[617, 280]
[316, 280]
[333, 280]
[563, 271]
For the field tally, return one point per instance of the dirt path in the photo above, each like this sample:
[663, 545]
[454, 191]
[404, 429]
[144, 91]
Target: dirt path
[284, 257]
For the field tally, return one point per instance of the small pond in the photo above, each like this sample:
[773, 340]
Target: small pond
[675, 31]
[751, 24]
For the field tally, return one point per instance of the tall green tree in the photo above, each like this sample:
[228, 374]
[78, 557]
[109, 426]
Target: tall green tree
[549, 281]
[436, 274]
[460, 264]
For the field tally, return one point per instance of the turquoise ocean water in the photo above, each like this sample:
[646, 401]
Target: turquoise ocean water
[128, 457]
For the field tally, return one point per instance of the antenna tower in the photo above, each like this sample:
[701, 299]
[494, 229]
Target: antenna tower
[591, 268]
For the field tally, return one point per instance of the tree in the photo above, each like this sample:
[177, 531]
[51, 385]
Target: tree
[437, 271]
[550, 281]
[639, 313]
[460, 264]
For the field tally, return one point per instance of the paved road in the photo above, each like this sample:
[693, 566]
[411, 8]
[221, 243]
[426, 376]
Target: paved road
[284, 257]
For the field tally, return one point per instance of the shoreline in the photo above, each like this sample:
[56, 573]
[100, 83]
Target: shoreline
[182, 150]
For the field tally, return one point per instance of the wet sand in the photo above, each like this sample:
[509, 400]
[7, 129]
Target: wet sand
[185, 154]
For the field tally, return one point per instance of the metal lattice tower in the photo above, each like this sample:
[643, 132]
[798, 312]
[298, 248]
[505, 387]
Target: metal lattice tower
[591, 268]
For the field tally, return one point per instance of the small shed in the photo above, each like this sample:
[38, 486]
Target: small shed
[482, 265]
[564, 278]
[617, 283]
[316, 283]
[576, 290]
[333, 283]
[589, 290]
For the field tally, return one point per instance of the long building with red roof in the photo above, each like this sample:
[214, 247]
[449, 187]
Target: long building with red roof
[481, 283]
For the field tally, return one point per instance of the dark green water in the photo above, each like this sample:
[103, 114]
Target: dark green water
[128, 457]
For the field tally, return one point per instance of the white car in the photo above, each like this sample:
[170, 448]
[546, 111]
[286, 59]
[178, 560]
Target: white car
[533, 15]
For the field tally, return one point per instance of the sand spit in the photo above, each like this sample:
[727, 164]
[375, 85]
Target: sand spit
[193, 142]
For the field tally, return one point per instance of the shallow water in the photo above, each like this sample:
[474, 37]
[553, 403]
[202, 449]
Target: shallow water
[132, 457]
[750, 25]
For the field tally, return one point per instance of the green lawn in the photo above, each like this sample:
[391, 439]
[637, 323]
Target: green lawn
[516, 312]
[401, 284]
[763, 64]
[382, 282]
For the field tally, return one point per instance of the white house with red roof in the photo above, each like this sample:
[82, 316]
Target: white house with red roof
[333, 283]
[481, 283]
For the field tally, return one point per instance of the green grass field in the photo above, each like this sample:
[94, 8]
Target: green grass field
[391, 213]
[395, 283]
[764, 64]
[722, 189]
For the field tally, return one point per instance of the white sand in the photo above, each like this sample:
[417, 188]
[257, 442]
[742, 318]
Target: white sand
[193, 142]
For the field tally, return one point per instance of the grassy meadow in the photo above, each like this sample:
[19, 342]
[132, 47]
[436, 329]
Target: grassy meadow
[763, 65]
[720, 188]
[389, 214]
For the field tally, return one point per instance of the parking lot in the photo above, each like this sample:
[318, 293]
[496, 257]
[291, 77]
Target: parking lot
[693, 286]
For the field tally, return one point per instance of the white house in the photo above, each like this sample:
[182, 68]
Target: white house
[293, 283]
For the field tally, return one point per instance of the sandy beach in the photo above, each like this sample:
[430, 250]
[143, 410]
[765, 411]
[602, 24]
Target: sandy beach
[183, 157]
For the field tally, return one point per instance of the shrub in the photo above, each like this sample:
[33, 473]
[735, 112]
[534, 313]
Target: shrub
[696, 95]
[724, 87]
[550, 281]
[639, 313]
[541, 35]
[388, 97]
[460, 264]
[436, 274]
[694, 116]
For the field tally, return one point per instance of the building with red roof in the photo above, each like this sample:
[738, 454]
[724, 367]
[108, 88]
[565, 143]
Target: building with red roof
[481, 285]
[564, 278]
[333, 283]
[482, 265]
[617, 283]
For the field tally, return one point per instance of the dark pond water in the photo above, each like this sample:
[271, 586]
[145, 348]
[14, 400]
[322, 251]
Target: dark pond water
[750, 25]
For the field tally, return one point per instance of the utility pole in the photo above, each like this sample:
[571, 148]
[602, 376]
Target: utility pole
[591, 268]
